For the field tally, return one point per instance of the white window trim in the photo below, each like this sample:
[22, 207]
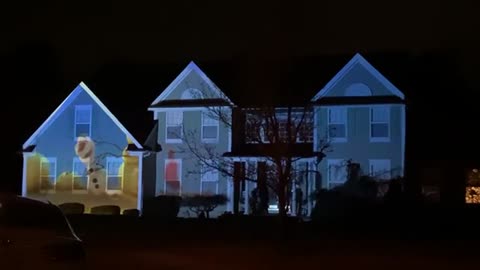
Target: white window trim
[78, 191]
[370, 115]
[122, 176]
[176, 140]
[329, 163]
[338, 139]
[372, 161]
[82, 107]
[54, 175]
[208, 181]
[180, 168]
[208, 140]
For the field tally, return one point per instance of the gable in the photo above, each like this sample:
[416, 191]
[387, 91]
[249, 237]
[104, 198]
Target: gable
[358, 78]
[81, 95]
[191, 84]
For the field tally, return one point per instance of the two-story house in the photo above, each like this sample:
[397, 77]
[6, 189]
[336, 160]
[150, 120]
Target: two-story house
[83, 154]
[362, 115]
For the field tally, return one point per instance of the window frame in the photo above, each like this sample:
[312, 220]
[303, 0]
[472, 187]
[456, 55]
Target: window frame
[344, 122]
[203, 180]
[334, 162]
[179, 168]
[54, 175]
[173, 140]
[75, 123]
[121, 175]
[371, 165]
[371, 123]
[77, 160]
[209, 140]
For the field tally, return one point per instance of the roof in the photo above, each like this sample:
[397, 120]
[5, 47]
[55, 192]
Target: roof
[358, 59]
[191, 103]
[82, 87]
[191, 67]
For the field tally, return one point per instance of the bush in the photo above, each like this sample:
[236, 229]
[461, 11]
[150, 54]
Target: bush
[131, 212]
[72, 208]
[105, 210]
[165, 206]
[204, 204]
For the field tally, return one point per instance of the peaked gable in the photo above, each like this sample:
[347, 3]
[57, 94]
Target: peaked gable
[361, 66]
[82, 87]
[192, 76]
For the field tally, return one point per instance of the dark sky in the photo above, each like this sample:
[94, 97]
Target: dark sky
[128, 51]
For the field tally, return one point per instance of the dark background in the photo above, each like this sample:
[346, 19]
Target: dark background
[127, 52]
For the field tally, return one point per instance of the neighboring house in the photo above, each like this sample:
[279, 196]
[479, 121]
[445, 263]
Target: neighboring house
[183, 111]
[363, 116]
[83, 154]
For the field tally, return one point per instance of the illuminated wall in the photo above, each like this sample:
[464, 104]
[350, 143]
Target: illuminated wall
[80, 156]
[472, 192]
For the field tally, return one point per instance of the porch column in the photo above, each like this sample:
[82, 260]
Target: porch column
[139, 155]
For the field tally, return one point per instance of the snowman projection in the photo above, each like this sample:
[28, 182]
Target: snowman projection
[172, 174]
[85, 150]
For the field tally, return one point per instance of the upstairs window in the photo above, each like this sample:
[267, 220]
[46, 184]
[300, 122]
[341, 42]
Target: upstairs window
[83, 121]
[337, 124]
[174, 126]
[210, 128]
[380, 124]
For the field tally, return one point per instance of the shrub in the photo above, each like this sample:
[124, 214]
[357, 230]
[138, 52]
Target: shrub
[105, 210]
[204, 204]
[72, 208]
[165, 206]
[131, 212]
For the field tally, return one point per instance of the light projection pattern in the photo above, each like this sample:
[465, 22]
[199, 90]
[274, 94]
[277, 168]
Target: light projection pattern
[173, 173]
[472, 192]
[93, 177]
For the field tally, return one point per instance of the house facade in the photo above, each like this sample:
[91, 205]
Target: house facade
[191, 137]
[83, 154]
[362, 115]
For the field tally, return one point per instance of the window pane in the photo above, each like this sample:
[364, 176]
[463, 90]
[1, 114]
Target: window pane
[47, 183]
[380, 114]
[172, 170]
[336, 131]
[82, 130]
[174, 118]
[210, 132]
[379, 130]
[174, 132]
[114, 183]
[114, 167]
[172, 187]
[209, 119]
[82, 115]
[209, 188]
[80, 182]
[79, 169]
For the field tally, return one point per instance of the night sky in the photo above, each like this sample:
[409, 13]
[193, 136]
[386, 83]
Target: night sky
[129, 51]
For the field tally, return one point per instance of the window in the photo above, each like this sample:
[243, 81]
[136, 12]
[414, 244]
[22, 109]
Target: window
[337, 172]
[209, 180]
[79, 175]
[380, 169]
[173, 176]
[174, 123]
[83, 121]
[48, 174]
[210, 128]
[379, 124]
[114, 174]
[337, 124]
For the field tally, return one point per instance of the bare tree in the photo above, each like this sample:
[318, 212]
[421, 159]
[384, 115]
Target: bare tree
[277, 134]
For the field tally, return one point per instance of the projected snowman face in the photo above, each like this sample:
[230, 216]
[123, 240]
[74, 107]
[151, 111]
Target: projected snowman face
[85, 149]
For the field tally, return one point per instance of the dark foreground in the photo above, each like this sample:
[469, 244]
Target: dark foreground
[446, 242]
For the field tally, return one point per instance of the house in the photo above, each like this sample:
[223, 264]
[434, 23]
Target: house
[190, 137]
[362, 114]
[83, 154]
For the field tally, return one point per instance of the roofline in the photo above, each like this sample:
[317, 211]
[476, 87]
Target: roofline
[70, 98]
[185, 72]
[360, 60]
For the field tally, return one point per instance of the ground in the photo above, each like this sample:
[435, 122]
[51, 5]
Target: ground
[188, 245]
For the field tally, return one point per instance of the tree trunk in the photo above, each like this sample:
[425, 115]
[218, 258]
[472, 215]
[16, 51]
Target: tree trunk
[282, 199]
